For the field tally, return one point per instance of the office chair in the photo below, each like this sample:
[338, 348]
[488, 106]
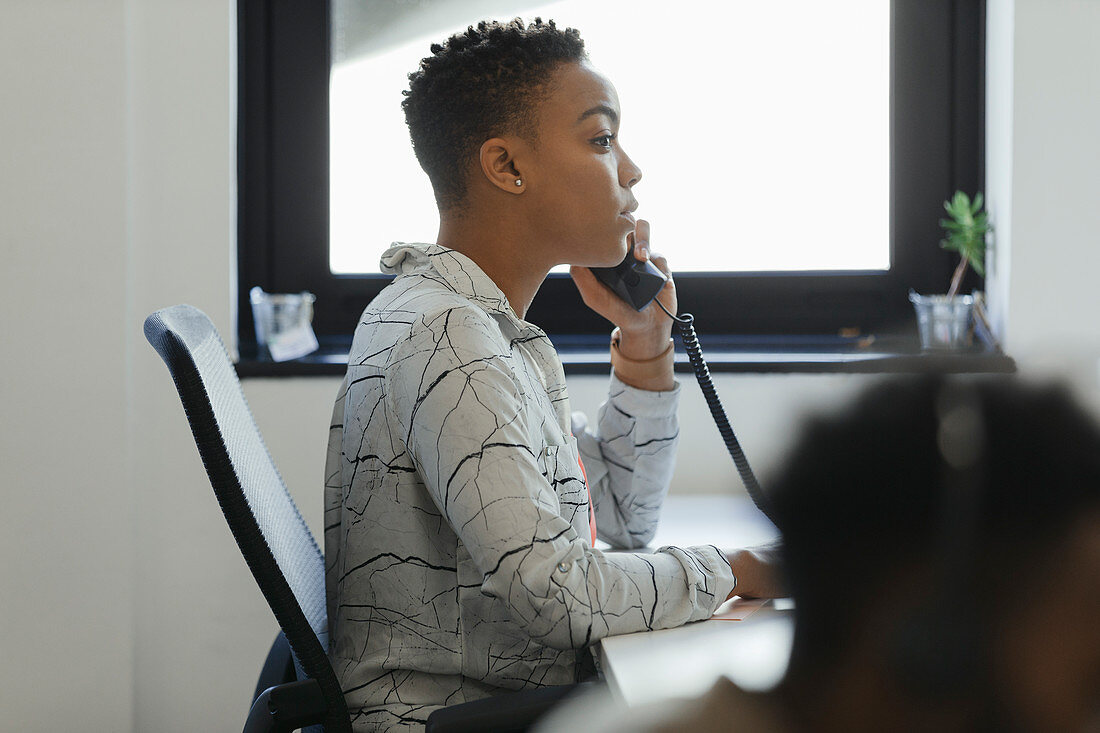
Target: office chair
[297, 686]
[276, 543]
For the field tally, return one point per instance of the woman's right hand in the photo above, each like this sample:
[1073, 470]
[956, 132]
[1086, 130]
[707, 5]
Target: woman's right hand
[644, 333]
[757, 571]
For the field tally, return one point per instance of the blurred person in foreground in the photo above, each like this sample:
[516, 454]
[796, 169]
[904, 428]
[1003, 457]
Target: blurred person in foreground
[942, 545]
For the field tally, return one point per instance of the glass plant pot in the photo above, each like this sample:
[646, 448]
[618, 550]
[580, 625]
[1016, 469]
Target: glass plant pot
[944, 321]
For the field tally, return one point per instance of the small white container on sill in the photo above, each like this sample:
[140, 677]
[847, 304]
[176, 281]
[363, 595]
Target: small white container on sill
[284, 329]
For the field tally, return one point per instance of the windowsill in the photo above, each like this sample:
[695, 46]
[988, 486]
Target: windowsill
[730, 354]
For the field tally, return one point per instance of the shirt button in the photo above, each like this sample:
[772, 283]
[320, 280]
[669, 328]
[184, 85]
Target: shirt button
[564, 565]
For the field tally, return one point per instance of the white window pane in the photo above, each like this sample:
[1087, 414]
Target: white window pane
[762, 130]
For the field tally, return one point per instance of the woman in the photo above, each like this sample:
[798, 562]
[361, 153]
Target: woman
[460, 523]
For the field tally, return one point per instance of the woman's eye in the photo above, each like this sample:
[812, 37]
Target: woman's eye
[604, 141]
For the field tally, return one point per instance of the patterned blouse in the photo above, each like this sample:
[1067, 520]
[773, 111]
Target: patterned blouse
[459, 558]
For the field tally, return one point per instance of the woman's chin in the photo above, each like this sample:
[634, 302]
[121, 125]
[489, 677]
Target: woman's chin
[621, 252]
[608, 256]
[615, 261]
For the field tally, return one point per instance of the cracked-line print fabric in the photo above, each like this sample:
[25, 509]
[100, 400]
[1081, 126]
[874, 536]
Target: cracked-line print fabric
[458, 552]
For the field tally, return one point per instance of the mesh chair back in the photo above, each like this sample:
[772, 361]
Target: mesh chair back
[276, 543]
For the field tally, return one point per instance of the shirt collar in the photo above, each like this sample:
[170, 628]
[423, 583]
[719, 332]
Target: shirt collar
[456, 269]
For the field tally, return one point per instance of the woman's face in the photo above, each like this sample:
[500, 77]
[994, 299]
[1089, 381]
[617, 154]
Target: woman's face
[578, 179]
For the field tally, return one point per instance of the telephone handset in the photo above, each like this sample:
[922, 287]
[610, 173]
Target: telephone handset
[637, 282]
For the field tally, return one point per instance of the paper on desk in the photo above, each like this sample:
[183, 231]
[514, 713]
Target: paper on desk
[738, 609]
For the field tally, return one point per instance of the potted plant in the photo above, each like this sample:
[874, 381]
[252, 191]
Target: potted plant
[945, 320]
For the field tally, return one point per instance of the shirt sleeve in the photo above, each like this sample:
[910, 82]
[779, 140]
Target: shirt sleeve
[464, 420]
[629, 459]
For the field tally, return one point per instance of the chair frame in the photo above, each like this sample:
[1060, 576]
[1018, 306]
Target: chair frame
[317, 699]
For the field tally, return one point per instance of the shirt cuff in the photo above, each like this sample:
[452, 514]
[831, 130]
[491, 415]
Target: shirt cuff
[710, 577]
[644, 402]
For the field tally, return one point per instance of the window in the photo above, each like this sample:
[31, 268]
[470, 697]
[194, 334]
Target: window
[805, 200]
[745, 170]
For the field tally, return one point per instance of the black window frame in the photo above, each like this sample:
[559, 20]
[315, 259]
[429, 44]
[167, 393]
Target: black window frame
[937, 59]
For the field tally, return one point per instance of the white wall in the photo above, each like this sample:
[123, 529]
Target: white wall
[66, 534]
[200, 624]
[124, 605]
[999, 87]
[1043, 111]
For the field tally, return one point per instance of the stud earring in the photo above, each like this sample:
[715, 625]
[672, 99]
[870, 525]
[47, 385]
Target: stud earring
[519, 181]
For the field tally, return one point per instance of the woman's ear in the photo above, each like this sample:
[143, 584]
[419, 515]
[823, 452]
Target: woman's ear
[498, 164]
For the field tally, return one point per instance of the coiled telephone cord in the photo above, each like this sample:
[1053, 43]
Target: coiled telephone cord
[686, 326]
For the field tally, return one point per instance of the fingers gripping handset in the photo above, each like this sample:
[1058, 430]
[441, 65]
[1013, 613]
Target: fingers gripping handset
[636, 282]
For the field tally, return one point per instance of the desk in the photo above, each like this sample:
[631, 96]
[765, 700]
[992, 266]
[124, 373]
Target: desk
[652, 665]
[728, 521]
[684, 662]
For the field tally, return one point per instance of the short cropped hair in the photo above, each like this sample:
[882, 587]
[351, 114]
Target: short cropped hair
[477, 85]
[862, 498]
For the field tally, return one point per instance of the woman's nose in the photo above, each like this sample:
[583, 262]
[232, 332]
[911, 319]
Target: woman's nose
[629, 173]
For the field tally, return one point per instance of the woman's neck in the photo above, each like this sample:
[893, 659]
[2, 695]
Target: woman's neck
[504, 252]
